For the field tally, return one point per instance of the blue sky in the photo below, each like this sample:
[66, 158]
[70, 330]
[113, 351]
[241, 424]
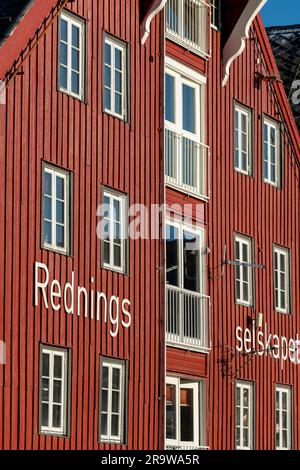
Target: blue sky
[281, 12]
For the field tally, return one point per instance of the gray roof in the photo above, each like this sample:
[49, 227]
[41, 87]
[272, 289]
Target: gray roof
[10, 12]
[285, 42]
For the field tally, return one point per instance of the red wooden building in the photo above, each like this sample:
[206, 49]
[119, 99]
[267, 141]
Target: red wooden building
[79, 317]
[185, 343]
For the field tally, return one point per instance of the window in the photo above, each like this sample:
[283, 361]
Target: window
[115, 78]
[242, 140]
[283, 417]
[114, 238]
[185, 413]
[53, 390]
[271, 151]
[186, 155]
[187, 304]
[71, 55]
[187, 22]
[112, 400]
[243, 270]
[56, 209]
[244, 416]
[281, 280]
[215, 13]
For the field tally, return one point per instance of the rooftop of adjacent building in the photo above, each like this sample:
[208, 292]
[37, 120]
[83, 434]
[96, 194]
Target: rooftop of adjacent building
[285, 42]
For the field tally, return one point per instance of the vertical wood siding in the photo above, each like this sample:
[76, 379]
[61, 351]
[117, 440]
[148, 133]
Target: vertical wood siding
[39, 124]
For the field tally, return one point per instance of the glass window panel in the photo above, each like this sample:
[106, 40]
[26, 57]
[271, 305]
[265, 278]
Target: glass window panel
[187, 416]
[75, 83]
[104, 400]
[56, 417]
[116, 377]
[47, 233]
[58, 367]
[45, 415]
[117, 212]
[63, 54]
[48, 183]
[106, 255]
[117, 256]
[118, 59]
[171, 428]
[75, 60]
[191, 257]
[60, 188]
[189, 108]
[57, 391]
[115, 405]
[104, 427]
[48, 208]
[75, 36]
[104, 378]
[60, 212]
[60, 236]
[63, 30]
[172, 247]
[45, 389]
[170, 98]
[115, 425]
[45, 365]
[63, 77]
[118, 103]
[118, 81]
[107, 99]
[107, 52]
[107, 76]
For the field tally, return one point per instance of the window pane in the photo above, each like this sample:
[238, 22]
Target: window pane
[107, 76]
[56, 418]
[45, 365]
[75, 60]
[172, 255]
[45, 389]
[170, 98]
[48, 208]
[63, 77]
[186, 415]
[58, 367]
[107, 99]
[60, 236]
[59, 188]
[118, 59]
[75, 36]
[107, 53]
[116, 375]
[48, 184]
[57, 389]
[118, 81]
[106, 257]
[60, 212]
[45, 414]
[191, 257]
[115, 405]
[188, 109]
[104, 400]
[115, 425]
[47, 233]
[75, 83]
[64, 30]
[104, 376]
[104, 424]
[118, 103]
[63, 54]
[171, 412]
[117, 256]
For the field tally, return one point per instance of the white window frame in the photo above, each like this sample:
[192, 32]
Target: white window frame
[287, 390]
[122, 199]
[64, 175]
[116, 45]
[277, 252]
[199, 232]
[243, 240]
[186, 76]
[248, 387]
[52, 352]
[71, 20]
[120, 365]
[271, 125]
[199, 408]
[243, 111]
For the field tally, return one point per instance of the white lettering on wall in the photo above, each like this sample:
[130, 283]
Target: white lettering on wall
[64, 297]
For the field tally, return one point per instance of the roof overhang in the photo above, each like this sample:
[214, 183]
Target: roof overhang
[155, 7]
[236, 42]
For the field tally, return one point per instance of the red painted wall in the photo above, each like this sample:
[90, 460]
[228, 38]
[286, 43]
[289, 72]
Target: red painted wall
[39, 124]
